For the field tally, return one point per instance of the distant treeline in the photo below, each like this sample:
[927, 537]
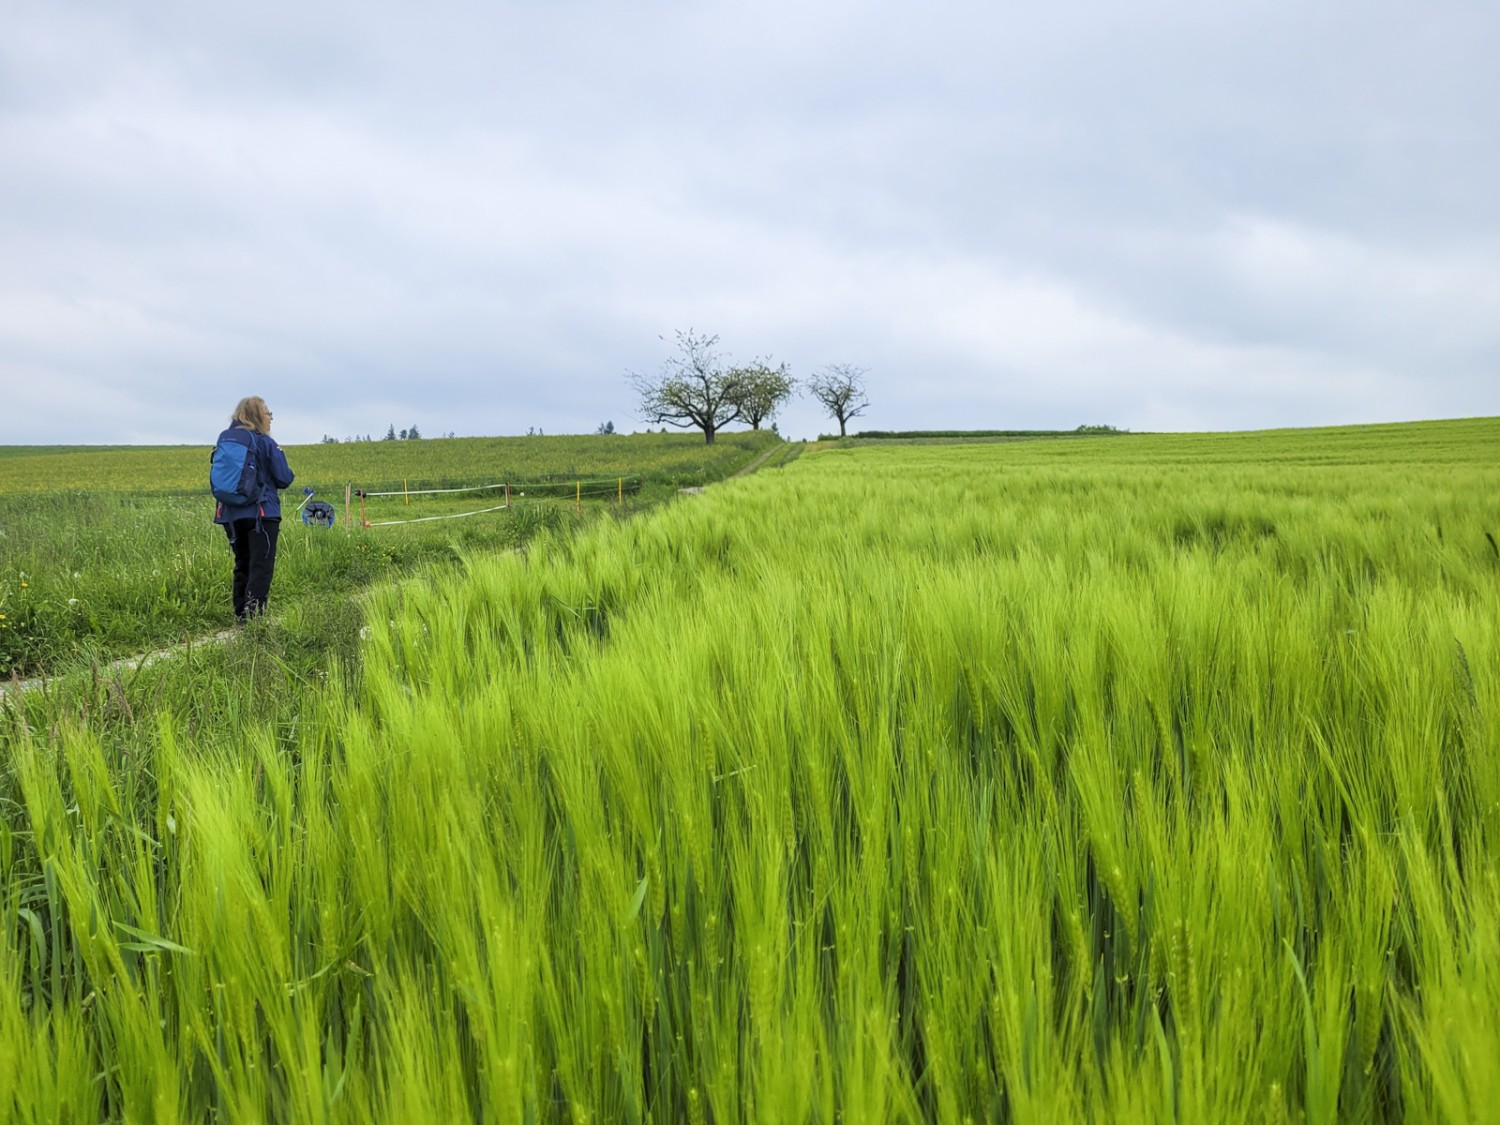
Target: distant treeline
[918, 434]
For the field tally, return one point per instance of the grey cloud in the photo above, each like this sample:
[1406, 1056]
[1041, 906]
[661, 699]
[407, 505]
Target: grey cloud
[478, 217]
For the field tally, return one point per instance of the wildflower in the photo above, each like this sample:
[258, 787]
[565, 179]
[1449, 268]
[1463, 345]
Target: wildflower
[24, 584]
[72, 601]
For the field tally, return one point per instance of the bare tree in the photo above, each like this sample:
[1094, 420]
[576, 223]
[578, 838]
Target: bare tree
[840, 387]
[762, 390]
[692, 389]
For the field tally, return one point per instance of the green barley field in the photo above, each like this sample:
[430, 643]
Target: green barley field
[1132, 779]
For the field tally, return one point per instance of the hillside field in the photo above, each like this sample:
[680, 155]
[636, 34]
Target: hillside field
[676, 460]
[1142, 778]
[110, 551]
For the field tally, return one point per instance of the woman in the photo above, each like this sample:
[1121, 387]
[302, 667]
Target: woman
[252, 526]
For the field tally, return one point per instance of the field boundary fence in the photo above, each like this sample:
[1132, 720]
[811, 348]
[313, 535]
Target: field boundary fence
[613, 489]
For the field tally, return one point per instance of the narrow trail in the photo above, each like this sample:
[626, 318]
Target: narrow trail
[758, 462]
[16, 686]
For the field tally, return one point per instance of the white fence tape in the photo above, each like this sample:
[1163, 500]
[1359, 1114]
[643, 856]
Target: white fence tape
[425, 519]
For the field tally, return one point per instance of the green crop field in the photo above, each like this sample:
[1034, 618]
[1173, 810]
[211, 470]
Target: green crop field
[1138, 778]
[110, 551]
[675, 459]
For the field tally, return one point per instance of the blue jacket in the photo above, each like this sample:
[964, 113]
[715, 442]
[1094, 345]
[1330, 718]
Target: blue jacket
[275, 474]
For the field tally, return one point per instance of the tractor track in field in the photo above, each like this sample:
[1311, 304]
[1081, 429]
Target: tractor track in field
[758, 463]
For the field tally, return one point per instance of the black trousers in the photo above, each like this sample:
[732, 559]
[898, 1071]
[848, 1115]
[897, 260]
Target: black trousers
[254, 548]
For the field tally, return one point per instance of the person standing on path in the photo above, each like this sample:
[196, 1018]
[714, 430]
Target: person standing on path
[253, 528]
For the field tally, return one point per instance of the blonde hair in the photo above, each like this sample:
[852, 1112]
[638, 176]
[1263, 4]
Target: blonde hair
[252, 412]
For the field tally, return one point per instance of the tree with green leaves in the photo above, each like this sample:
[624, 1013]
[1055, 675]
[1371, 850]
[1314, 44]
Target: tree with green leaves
[762, 390]
[693, 389]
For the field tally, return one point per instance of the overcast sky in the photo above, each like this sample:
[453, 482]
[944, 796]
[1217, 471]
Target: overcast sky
[479, 217]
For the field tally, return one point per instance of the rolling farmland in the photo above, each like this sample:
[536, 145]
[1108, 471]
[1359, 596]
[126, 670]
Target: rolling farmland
[675, 459]
[1141, 778]
[105, 552]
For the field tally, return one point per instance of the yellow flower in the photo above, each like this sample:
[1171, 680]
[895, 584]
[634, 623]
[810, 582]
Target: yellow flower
[25, 584]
